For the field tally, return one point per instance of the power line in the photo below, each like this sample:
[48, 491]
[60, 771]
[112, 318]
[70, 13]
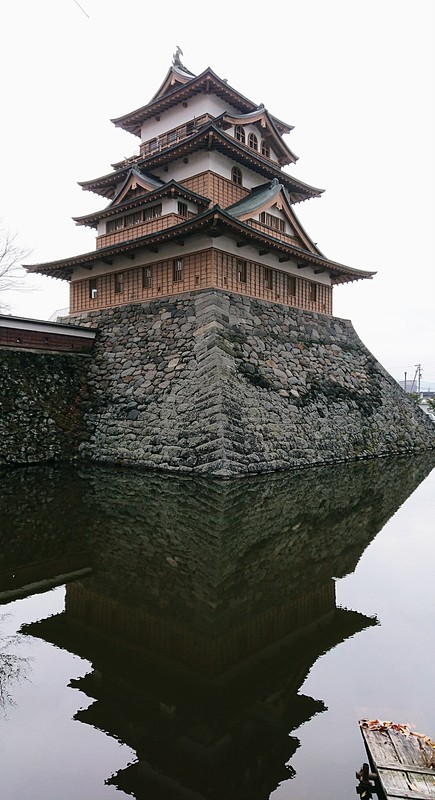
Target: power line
[81, 9]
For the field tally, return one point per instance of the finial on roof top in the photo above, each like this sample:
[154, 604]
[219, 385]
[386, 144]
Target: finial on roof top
[176, 62]
[275, 182]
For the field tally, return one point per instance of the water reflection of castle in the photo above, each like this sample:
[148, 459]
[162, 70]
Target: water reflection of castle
[208, 604]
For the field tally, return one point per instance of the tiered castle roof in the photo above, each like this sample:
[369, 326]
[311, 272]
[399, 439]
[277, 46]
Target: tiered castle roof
[210, 164]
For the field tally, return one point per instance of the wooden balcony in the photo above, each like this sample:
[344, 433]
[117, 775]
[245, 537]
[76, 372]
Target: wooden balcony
[173, 136]
[135, 231]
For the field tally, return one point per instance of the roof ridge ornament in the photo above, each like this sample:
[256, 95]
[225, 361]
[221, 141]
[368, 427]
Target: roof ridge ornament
[176, 61]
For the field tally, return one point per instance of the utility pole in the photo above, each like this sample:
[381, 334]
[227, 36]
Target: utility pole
[418, 374]
[405, 381]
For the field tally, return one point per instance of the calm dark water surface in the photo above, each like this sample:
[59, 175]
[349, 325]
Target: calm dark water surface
[167, 637]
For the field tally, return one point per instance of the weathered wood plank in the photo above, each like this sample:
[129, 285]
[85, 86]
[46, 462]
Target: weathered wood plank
[408, 795]
[402, 760]
[410, 768]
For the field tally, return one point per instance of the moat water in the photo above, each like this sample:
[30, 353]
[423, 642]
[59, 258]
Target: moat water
[170, 637]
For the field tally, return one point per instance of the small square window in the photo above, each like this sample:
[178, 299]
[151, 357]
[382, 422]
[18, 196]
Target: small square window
[182, 209]
[268, 278]
[236, 176]
[92, 288]
[313, 292]
[147, 278]
[241, 271]
[119, 283]
[177, 270]
[291, 285]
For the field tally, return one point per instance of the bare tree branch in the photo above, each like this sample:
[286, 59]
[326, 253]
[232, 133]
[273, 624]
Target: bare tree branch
[12, 274]
[13, 669]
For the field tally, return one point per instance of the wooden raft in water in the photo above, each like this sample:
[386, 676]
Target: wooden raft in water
[403, 760]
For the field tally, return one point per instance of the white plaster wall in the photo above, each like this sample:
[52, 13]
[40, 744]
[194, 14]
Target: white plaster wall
[196, 106]
[208, 160]
[178, 170]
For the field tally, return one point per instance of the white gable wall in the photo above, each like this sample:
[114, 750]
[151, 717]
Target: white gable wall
[252, 129]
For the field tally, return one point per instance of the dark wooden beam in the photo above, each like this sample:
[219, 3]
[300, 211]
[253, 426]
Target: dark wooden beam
[107, 261]
[85, 266]
[131, 256]
[283, 258]
[180, 242]
[153, 248]
[241, 243]
[263, 252]
[302, 266]
[318, 271]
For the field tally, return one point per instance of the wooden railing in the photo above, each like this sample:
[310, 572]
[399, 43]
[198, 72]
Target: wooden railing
[134, 231]
[173, 136]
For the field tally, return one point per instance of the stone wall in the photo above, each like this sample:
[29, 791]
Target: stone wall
[40, 405]
[219, 383]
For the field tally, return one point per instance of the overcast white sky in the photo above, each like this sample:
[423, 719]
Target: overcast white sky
[357, 79]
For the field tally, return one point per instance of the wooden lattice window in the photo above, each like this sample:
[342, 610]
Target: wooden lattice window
[272, 222]
[133, 219]
[92, 288]
[113, 225]
[119, 283]
[147, 277]
[253, 141]
[182, 209]
[265, 149]
[291, 285]
[152, 212]
[241, 271]
[268, 278]
[236, 176]
[177, 270]
[240, 134]
[313, 292]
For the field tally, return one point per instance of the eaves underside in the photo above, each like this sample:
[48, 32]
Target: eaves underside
[208, 138]
[177, 189]
[132, 121]
[215, 222]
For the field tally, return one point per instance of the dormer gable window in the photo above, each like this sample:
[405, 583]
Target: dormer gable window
[239, 134]
[236, 176]
[253, 141]
[272, 221]
[265, 149]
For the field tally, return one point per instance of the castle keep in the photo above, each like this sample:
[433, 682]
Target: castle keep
[217, 349]
[205, 204]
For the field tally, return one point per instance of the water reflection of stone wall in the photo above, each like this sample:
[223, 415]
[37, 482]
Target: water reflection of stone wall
[209, 603]
[201, 542]
[43, 524]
